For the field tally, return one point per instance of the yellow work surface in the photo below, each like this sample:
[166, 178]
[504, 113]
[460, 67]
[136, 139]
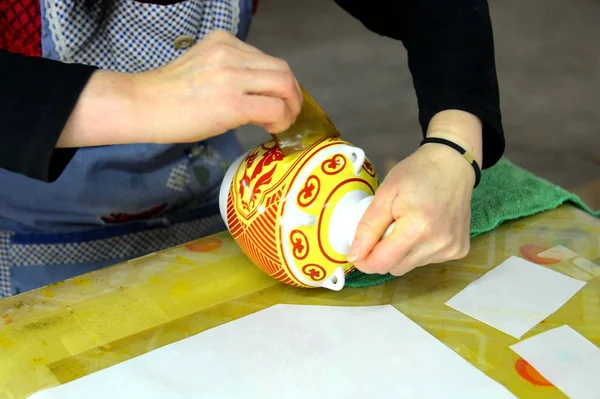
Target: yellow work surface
[74, 328]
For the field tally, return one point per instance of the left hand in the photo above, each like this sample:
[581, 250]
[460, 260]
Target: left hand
[428, 194]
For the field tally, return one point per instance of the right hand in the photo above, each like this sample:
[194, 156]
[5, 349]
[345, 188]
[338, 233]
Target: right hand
[219, 84]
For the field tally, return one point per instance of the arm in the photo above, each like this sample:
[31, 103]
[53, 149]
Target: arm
[36, 99]
[48, 107]
[451, 58]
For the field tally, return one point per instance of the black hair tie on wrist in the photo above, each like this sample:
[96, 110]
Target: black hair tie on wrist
[461, 150]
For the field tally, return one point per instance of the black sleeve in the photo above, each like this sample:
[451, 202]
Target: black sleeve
[451, 57]
[37, 97]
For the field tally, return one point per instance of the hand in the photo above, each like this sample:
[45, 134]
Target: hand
[428, 195]
[219, 84]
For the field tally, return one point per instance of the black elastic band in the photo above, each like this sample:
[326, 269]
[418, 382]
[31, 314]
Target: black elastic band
[461, 150]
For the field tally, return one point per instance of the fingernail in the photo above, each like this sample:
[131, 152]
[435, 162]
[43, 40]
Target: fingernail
[353, 254]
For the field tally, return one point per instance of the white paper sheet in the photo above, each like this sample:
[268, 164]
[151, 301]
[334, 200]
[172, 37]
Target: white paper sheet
[293, 351]
[566, 359]
[515, 296]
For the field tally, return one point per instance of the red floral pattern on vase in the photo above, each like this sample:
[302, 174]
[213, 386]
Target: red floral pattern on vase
[258, 239]
[309, 191]
[315, 272]
[369, 168]
[273, 206]
[250, 187]
[300, 247]
[334, 165]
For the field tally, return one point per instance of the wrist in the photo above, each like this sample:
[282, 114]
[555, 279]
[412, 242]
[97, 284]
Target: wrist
[445, 159]
[106, 113]
[460, 127]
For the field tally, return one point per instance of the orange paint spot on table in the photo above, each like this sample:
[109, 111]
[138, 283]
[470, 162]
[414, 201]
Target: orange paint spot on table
[531, 252]
[205, 245]
[530, 374]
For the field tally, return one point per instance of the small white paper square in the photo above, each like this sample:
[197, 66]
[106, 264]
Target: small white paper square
[566, 359]
[515, 296]
[558, 252]
[588, 266]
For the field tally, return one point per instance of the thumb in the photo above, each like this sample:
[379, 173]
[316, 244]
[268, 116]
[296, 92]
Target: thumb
[371, 227]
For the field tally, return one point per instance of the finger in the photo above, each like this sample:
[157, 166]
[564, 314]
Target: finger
[228, 51]
[371, 227]
[256, 61]
[270, 113]
[429, 253]
[392, 249]
[267, 62]
[416, 257]
[272, 84]
[262, 61]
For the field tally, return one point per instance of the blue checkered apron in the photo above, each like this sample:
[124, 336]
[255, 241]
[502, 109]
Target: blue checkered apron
[32, 260]
[50, 232]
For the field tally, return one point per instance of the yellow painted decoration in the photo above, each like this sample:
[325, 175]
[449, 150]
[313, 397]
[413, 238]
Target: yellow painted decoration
[279, 208]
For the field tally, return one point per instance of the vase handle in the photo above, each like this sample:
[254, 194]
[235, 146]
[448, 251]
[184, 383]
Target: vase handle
[336, 281]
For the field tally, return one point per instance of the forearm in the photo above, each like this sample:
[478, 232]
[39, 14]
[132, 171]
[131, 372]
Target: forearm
[48, 109]
[36, 98]
[451, 58]
[105, 113]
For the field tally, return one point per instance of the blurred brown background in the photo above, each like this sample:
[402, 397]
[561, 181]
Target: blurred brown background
[548, 58]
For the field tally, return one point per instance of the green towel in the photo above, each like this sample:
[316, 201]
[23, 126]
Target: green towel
[506, 192]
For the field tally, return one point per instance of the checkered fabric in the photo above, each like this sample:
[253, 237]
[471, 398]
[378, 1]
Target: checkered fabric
[125, 246]
[20, 26]
[138, 36]
[179, 177]
[5, 284]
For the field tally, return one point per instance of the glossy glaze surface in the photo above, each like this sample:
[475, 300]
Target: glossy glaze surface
[280, 209]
